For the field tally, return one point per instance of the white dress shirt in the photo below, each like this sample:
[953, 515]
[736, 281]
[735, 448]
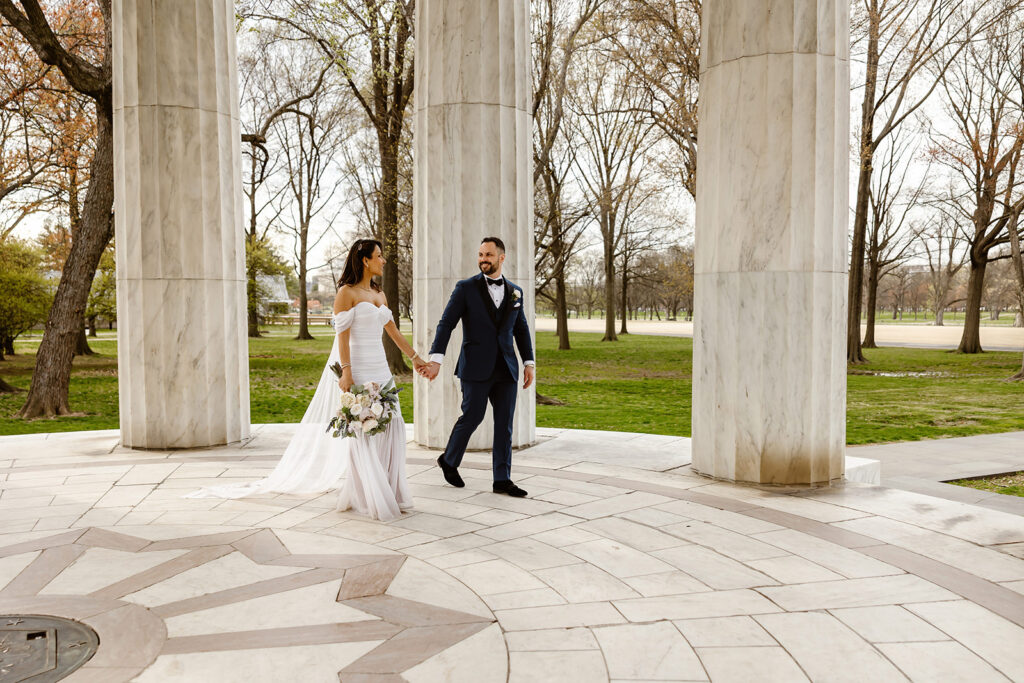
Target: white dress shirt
[497, 292]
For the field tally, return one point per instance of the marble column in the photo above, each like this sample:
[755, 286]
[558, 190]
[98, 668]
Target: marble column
[769, 370]
[182, 346]
[473, 178]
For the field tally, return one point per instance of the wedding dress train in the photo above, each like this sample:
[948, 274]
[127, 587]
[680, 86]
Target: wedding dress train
[373, 467]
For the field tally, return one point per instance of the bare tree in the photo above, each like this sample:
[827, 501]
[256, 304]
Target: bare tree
[660, 41]
[25, 150]
[906, 46]
[943, 245]
[890, 240]
[609, 167]
[370, 41]
[645, 229]
[84, 61]
[558, 217]
[984, 99]
[587, 283]
[675, 280]
[1000, 287]
[362, 177]
[264, 101]
[895, 286]
[309, 134]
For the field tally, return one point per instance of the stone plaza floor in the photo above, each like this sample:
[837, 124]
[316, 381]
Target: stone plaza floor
[606, 572]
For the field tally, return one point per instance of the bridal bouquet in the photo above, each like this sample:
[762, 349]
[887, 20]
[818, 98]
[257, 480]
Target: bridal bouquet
[365, 409]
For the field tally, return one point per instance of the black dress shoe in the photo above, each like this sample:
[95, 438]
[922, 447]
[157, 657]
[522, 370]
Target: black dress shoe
[509, 488]
[451, 474]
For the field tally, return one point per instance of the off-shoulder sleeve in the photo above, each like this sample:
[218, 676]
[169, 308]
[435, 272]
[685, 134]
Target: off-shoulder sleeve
[385, 315]
[343, 320]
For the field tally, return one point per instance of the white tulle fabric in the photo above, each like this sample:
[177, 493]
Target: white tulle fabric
[373, 467]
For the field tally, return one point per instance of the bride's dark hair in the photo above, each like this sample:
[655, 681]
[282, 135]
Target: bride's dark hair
[353, 273]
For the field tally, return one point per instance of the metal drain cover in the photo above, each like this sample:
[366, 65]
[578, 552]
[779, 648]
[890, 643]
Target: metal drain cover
[40, 649]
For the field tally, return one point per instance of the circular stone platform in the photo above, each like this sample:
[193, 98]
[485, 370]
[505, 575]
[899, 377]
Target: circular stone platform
[604, 573]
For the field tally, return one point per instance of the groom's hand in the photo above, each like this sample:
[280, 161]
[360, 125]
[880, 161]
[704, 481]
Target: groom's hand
[431, 370]
[527, 376]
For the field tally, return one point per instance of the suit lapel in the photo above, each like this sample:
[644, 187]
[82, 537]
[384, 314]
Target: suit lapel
[506, 305]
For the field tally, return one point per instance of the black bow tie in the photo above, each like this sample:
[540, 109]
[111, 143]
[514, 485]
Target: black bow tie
[495, 283]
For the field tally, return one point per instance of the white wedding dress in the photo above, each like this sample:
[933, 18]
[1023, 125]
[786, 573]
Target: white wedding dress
[373, 467]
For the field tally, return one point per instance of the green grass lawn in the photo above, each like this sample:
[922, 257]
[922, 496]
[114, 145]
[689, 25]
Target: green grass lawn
[641, 383]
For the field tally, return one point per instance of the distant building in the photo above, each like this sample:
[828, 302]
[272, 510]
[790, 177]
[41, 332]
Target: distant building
[275, 292]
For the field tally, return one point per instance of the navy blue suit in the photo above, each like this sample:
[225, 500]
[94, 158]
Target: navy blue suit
[487, 365]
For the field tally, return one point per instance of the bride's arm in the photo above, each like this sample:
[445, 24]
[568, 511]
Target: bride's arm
[342, 304]
[402, 344]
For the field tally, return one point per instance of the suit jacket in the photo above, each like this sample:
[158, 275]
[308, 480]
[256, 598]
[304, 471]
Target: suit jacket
[487, 332]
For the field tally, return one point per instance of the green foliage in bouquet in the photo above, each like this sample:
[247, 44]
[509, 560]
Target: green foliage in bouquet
[365, 409]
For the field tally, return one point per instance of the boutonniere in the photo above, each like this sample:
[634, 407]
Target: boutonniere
[516, 298]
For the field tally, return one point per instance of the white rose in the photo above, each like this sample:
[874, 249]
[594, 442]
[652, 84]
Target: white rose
[365, 400]
[346, 400]
[377, 409]
[369, 425]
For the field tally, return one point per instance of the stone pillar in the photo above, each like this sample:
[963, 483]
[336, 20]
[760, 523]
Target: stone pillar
[769, 369]
[473, 177]
[182, 347]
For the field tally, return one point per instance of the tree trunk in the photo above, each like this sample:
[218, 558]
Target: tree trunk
[303, 299]
[940, 313]
[869, 334]
[252, 305]
[625, 300]
[8, 347]
[254, 324]
[389, 238]
[860, 219]
[561, 308]
[970, 342]
[1018, 266]
[82, 343]
[48, 394]
[609, 295]
[92, 326]
[993, 314]
[6, 388]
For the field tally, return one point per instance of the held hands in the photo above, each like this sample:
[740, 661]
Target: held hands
[429, 370]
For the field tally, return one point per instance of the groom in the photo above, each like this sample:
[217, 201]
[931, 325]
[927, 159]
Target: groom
[491, 311]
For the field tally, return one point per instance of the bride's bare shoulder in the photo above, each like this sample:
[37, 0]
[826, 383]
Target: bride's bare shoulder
[344, 299]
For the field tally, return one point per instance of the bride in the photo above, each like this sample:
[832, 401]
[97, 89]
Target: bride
[373, 466]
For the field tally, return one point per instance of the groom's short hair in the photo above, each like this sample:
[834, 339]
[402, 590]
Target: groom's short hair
[497, 242]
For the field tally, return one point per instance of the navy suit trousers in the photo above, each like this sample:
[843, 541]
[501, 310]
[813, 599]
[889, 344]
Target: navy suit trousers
[500, 391]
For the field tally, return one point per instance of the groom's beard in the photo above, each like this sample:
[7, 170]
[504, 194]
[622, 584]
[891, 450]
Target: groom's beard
[488, 268]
